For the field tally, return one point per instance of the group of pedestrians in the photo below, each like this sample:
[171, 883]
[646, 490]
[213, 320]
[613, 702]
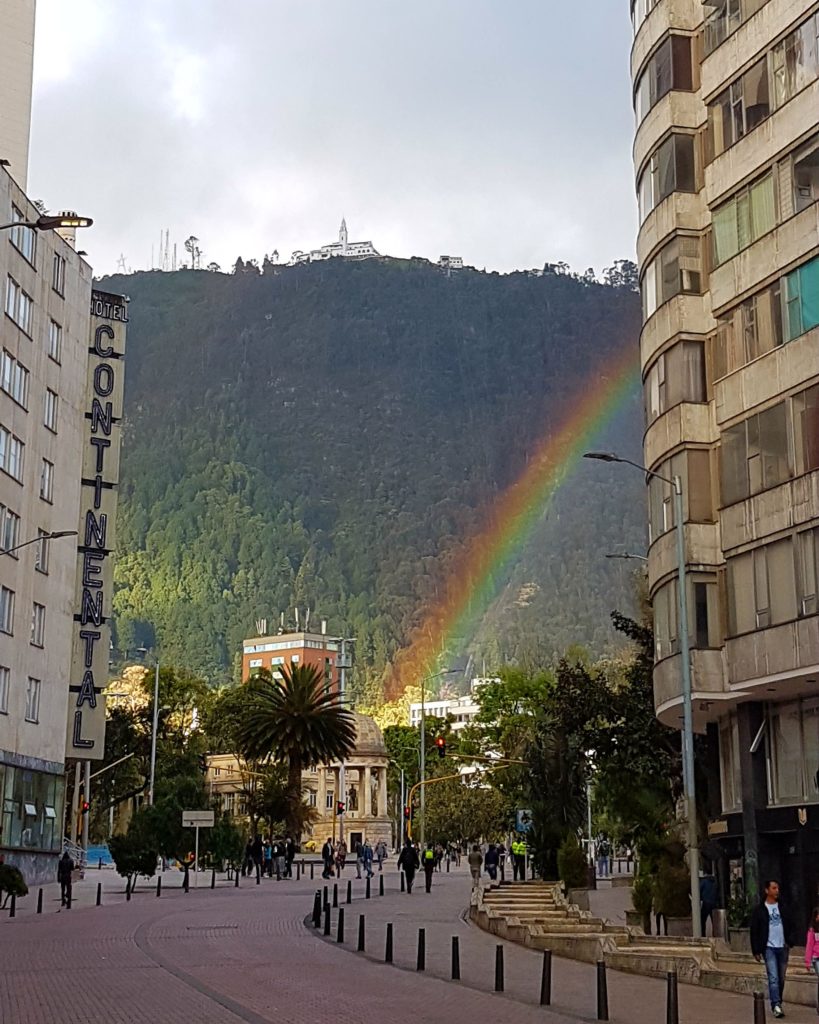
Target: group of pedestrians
[269, 856]
[334, 857]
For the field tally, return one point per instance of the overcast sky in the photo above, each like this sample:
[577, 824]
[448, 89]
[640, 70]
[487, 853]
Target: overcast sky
[498, 130]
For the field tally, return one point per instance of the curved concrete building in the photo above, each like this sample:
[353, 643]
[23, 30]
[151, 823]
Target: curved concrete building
[726, 157]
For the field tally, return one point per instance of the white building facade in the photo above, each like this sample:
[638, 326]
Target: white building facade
[343, 248]
[16, 67]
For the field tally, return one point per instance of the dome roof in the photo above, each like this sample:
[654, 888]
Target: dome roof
[369, 740]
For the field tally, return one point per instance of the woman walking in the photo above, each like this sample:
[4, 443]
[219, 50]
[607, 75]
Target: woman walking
[812, 949]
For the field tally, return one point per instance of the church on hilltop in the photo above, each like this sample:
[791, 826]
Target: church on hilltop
[343, 247]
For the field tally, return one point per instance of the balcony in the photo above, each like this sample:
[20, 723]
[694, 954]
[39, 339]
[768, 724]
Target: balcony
[710, 696]
[793, 503]
[780, 656]
[684, 422]
[702, 550]
[684, 314]
[680, 210]
[675, 109]
[678, 15]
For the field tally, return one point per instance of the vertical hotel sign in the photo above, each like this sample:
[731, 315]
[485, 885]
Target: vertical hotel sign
[102, 427]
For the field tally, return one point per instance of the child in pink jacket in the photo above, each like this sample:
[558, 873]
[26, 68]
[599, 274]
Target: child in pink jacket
[812, 946]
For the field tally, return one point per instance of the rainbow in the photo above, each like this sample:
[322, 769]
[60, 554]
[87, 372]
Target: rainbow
[484, 563]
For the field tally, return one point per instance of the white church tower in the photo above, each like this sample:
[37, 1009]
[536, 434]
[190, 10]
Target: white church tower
[342, 235]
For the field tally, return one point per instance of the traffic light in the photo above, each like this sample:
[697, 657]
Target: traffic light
[340, 807]
[85, 807]
[407, 814]
[203, 763]
[440, 743]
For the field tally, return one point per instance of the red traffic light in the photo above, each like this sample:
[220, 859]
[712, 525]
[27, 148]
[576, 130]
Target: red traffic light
[407, 814]
[340, 807]
[85, 807]
[440, 743]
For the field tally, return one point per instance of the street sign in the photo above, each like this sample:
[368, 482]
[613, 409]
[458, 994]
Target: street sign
[197, 819]
[523, 820]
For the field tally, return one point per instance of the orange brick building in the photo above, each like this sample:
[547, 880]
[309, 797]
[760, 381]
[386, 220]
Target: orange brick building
[272, 652]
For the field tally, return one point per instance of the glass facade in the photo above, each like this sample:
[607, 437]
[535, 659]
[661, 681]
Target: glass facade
[32, 811]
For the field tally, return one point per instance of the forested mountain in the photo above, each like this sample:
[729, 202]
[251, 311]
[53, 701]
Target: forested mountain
[329, 436]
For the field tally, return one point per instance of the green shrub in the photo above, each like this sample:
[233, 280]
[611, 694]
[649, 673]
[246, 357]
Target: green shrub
[12, 883]
[739, 911]
[672, 890]
[571, 863]
[642, 894]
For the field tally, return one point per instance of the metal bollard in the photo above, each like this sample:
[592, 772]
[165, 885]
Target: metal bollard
[456, 958]
[298, 871]
[367, 891]
[325, 898]
[159, 886]
[349, 890]
[759, 1008]
[317, 909]
[403, 884]
[99, 866]
[340, 937]
[312, 867]
[361, 927]
[421, 959]
[186, 882]
[503, 873]
[380, 885]
[546, 979]
[127, 891]
[213, 878]
[99, 897]
[499, 968]
[602, 992]
[40, 900]
[13, 907]
[327, 920]
[68, 899]
[335, 894]
[447, 865]
[388, 950]
[672, 1003]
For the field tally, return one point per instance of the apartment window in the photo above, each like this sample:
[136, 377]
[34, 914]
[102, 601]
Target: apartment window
[55, 340]
[47, 481]
[725, 17]
[33, 700]
[795, 61]
[12, 451]
[806, 176]
[738, 109]
[58, 274]
[802, 299]
[38, 614]
[311, 798]
[807, 571]
[9, 529]
[22, 238]
[330, 800]
[5, 679]
[729, 764]
[640, 10]
[18, 305]
[761, 588]
[793, 752]
[754, 455]
[255, 663]
[50, 406]
[750, 330]
[675, 270]
[669, 68]
[703, 615]
[41, 550]
[6, 611]
[747, 216]
[14, 378]
[670, 169]
[805, 413]
[677, 376]
[666, 618]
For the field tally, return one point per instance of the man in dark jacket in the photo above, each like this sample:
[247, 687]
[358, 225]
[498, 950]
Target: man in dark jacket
[65, 867]
[327, 853]
[772, 935]
[408, 863]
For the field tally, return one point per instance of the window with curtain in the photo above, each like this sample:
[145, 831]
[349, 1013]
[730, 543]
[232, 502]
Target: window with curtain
[666, 615]
[754, 455]
[805, 412]
[678, 375]
[747, 216]
[807, 571]
[802, 299]
[668, 68]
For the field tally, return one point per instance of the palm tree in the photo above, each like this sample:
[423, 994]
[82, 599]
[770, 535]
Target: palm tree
[295, 720]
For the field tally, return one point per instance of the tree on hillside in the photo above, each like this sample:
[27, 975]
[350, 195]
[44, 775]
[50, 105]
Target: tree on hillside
[293, 719]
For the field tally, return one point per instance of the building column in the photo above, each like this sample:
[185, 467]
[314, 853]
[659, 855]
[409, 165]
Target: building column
[367, 794]
[321, 795]
[753, 786]
[382, 793]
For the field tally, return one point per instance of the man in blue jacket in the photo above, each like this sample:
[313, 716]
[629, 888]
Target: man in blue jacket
[772, 936]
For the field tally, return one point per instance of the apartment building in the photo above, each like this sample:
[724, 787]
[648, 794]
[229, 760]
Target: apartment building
[294, 648]
[726, 155]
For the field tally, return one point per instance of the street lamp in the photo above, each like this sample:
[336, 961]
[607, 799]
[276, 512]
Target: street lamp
[626, 555]
[46, 222]
[423, 764]
[341, 796]
[53, 535]
[685, 660]
[154, 724]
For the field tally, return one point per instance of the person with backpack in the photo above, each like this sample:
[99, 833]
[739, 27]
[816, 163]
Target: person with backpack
[428, 861]
[603, 852]
[408, 863]
[490, 862]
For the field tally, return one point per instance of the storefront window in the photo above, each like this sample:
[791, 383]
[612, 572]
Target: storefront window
[32, 808]
[793, 752]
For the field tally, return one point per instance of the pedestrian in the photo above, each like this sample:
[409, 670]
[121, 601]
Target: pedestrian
[812, 949]
[247, 863]
[367, 858]
[327, 858]
[279, 858]
[65, 868]
[428, 862]
[341, 856]
[258, 855]
[709, 896]
[359, 858]
[380, 853]
[518, 859]
[490, 862]
[771, 939]
[439, 856]
[408, 863]
[268, 858]
[289, 856]
[475, 865]
[603, 851]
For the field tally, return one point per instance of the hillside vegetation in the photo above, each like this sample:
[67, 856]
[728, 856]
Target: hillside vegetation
[328, 436]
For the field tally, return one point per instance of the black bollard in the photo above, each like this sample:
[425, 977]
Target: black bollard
[672, 1003]
[278, 871]
[499, 968]
[602, 992]
[186, 882]
[99, 896]
[159, 886]
[546, 979]
[99, 866]
[349, 890]
[403, 885]
[421, 959]
[127, 891]
[388, 950]
[367, 892]
[447, 865]
[311, 871]
[503, 873]
[258, 875]
[380, 885]
[213, 878]
[40, 900]
[456, 958]
[325, 898]
[68, 899]
[335, 894]
[236, 879]
[327, 913]
[340, 937]
[759, 1008]
[13, 907]
[298, 871]
[361, 933]
[317, 909]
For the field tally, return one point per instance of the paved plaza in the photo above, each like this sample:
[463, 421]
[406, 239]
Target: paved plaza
[228, 955]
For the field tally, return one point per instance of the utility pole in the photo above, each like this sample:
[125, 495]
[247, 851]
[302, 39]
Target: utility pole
[342, 776]
[154, 727]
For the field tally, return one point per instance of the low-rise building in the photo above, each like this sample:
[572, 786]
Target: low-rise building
[342, 248]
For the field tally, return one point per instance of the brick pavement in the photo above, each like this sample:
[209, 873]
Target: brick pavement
[246, 955]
